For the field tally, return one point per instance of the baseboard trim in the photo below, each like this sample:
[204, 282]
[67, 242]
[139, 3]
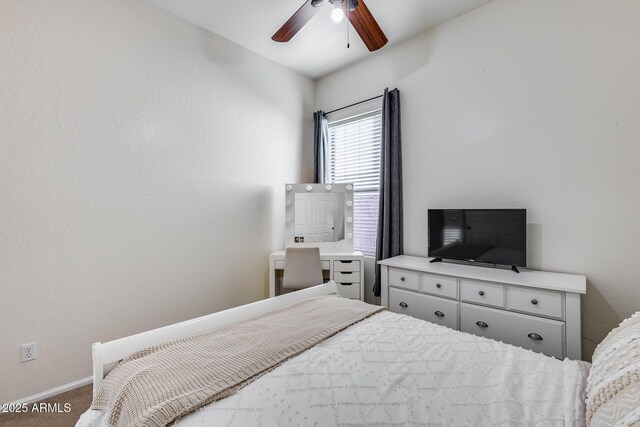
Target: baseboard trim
[54, 391]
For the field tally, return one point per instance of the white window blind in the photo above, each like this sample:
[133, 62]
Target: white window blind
[354, 157]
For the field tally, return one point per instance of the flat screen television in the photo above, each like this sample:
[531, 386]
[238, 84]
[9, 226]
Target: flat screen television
[493, 236]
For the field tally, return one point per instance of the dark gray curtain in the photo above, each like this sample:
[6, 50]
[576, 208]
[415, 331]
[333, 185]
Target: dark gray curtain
[320, 142]
[390, 239]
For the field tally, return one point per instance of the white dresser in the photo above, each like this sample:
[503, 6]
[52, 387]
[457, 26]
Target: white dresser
[344, 268]
[532, 309]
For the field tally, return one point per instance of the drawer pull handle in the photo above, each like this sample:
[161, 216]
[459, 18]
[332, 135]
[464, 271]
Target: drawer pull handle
[482, 324]
[402, 279]
[346, 262]
[534, 301]
[535, 337]
[346, 272]
[481, 293]
[438, 285]
[439, 314]
[346, 284]
[403, 304]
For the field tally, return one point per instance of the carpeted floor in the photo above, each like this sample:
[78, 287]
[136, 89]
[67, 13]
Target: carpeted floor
[79, 400]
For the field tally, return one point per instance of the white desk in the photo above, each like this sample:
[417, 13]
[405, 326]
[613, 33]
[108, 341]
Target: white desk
[344, 268]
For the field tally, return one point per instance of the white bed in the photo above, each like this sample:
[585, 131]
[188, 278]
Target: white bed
[392, 369]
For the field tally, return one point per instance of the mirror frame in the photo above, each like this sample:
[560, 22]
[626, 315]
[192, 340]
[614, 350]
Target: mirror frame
[345, 245]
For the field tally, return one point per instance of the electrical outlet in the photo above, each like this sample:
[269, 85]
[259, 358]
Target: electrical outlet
[27, 352]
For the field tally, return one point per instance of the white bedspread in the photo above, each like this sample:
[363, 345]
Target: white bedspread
[392, 369]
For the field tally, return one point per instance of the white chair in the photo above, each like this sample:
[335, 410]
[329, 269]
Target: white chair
[302, 268]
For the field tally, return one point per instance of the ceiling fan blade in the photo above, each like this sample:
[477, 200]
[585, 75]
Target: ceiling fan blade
[295, 23]
[367, 27]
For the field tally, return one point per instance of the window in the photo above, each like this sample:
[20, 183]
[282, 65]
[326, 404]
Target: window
[354, 157]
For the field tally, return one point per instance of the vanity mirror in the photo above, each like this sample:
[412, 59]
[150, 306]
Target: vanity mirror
[319, 215]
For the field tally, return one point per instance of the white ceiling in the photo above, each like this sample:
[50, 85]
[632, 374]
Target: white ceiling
[320, 47]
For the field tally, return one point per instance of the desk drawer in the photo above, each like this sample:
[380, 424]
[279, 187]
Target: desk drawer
[535, 301]
[440, 285]
[279, 264]
[346, 276]
[346, 265]
[482, 292]
[404, 278]
[349, 290]
[433, 309]
[541, 335]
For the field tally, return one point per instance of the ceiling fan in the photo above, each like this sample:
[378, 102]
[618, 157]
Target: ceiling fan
[356, 11]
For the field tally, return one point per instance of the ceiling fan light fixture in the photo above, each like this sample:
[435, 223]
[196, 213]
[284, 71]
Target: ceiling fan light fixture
[360, 18]
[337, 14]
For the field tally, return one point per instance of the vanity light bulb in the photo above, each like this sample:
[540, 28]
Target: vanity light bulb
[349, 187]
[309, 188]
[327, 187]
[349, 203]
[349, 219]
[289, 188]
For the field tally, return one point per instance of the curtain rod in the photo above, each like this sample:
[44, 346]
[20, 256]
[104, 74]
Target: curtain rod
[354, 104]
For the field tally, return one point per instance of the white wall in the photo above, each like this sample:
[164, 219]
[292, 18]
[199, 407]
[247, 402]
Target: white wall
[142, 161]
[528, 104]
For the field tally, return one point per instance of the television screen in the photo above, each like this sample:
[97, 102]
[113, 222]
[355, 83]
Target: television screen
[495, 236]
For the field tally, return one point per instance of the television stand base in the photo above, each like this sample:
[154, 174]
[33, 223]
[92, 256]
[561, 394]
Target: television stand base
[515, 269]
[436, 260]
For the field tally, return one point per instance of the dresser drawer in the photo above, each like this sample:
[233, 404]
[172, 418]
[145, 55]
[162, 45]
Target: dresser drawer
[436, 310]
[541, 303]
[346, 276]
[404, 278]
[482, 292]
[349, 290]
[349, 265]
[541, 335]
[440, 285]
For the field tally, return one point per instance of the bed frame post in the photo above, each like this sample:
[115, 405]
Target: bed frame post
[97, 366]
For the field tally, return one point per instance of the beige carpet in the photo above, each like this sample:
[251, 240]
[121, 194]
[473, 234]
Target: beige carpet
[79, 399]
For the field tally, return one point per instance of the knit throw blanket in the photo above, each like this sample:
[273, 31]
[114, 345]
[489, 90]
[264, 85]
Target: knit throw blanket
[613, 390]
[159, 384]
